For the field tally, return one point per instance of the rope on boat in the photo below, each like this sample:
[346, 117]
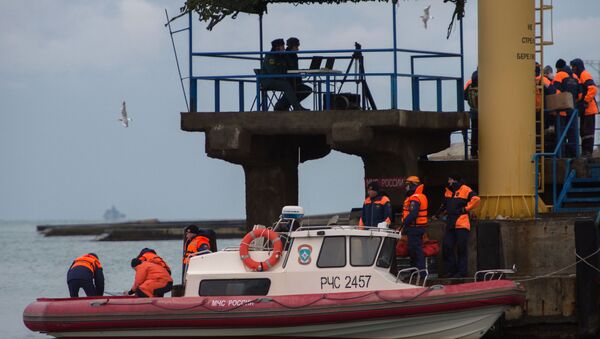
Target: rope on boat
[580, 259]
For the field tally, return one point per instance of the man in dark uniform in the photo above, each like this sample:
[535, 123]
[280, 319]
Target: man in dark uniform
[276, 63]
[377, 208]
[459, 199]
[86, 272]
[301, 89]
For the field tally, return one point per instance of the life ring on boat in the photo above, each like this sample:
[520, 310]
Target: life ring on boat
[272, 260]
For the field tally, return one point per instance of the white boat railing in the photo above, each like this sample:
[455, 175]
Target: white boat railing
[414, 276]
[494, 274]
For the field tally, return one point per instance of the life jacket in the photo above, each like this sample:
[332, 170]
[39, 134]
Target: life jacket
[194, 246]
[462, 198]
[419, 197]
[88, 261]
[154, 258]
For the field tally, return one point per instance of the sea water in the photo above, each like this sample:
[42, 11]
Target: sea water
[35, 266]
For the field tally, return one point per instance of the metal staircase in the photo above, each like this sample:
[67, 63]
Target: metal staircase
[580, 193]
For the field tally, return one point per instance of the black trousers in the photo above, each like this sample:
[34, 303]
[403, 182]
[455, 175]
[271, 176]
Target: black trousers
[456, 264]
[587, 129]
[76, 284]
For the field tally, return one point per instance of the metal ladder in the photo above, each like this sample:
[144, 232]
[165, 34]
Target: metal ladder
[540, 41]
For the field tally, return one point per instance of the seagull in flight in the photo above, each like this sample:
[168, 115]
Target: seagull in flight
[124, 119]
[426, 17]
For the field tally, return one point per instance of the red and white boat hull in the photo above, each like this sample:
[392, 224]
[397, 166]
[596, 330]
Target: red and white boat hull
[454, 311]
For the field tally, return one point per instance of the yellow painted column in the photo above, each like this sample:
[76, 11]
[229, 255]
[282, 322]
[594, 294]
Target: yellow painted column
[506, 108]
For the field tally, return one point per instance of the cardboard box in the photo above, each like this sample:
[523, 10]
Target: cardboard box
[560, 101]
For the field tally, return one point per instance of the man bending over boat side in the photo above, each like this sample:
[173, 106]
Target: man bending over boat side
[151, 280]
[86, 272]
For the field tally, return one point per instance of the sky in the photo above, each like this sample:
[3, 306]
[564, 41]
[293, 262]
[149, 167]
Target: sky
[66, 65]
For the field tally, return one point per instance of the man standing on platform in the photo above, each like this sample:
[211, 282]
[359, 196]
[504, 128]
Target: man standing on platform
[414, 221]
[587, 106]
[377, 208]
[459, 199]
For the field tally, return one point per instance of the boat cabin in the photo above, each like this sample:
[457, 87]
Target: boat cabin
[316, 259]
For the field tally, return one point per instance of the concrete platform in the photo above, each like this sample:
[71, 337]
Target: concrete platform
[270, 145]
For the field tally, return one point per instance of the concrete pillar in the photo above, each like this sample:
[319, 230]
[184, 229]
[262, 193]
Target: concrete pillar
[506, 108]
[270, 185]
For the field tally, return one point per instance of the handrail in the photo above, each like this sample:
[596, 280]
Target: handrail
[553, 156]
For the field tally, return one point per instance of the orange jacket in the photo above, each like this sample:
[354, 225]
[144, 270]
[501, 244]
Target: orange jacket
[88, 261]
[588, 93]
[154, 258]
[194, 246]
[458, 204]
[374, 211]
[149, 276]
[558, 83]
[420, 198]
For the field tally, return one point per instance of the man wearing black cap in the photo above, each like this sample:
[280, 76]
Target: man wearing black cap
[301, 89]
[376, 208]
[276, 63]
[458, 200]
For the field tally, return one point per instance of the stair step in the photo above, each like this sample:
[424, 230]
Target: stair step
[586, 180]
[589, 200]
[578, 209]
[583, 190]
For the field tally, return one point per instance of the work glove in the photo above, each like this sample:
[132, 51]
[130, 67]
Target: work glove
[131, 292]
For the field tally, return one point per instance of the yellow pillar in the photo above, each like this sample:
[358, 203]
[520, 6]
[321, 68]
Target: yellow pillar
[506, 108]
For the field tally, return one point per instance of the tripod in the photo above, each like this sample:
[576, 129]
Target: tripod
[361, 79]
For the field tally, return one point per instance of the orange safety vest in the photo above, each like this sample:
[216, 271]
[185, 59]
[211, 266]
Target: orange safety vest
[419, 197]
[590, 91]
[193, 247]
[154, 258]
[463, 193]
[89, 261]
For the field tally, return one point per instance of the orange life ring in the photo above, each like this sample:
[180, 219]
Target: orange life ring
[272, 260]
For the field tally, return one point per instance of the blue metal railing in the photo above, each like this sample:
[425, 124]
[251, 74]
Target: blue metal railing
[573, 119]
[328, 79]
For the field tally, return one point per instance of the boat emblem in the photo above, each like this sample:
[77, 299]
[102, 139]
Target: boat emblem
[304, 252]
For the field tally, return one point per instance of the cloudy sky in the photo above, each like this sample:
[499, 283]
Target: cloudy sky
[65, 67]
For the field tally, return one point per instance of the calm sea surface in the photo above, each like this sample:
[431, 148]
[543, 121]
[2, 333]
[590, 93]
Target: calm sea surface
[34, 266]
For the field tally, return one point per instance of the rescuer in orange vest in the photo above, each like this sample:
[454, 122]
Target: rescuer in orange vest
[587, 106]
[151, 280]
[148, 254]
[566, 81]
[194, 243]
[86, 272]
[414, 220]
[458, 200]
[376, 208]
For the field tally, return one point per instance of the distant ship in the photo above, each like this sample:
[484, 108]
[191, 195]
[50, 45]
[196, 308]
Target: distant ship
[112, 214]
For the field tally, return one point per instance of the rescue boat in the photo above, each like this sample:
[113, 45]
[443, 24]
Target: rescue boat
[292, 280]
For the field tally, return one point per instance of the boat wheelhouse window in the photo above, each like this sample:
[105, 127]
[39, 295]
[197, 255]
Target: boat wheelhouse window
[220, 287]
[333, 252]
[388, 251]
[363, 250]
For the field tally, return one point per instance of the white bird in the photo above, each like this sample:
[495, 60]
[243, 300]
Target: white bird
[426, 17]
[124, 119]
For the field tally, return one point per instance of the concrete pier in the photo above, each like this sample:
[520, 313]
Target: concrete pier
[270, 145]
